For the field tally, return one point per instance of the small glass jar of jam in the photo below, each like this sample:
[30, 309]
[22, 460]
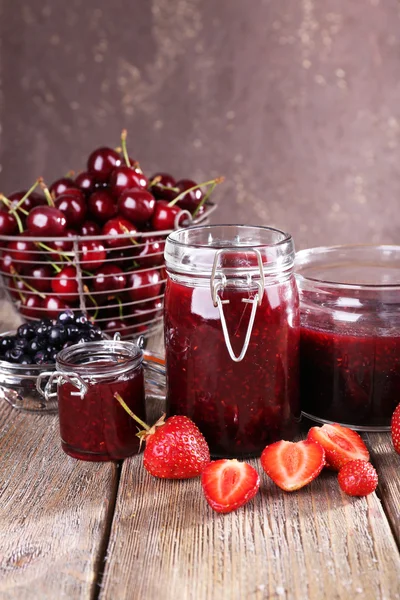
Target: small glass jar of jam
[350, 334]
[93, 424]
[232, 335]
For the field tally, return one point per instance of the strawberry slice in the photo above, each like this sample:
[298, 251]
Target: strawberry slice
[291, 465]
[341, 444]
[228, 484]
[396, 429]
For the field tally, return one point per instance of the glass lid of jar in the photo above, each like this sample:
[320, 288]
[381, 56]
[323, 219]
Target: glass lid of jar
[353, 265]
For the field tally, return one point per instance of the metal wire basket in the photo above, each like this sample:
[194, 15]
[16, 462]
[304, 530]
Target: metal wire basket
[134, 309]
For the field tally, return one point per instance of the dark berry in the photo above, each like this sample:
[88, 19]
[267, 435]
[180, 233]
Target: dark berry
[36, 344]
[66, 317]
[25, 359]
[57, 336]
[21, 343]
[26, 330]
[6, 343]
[40, 357]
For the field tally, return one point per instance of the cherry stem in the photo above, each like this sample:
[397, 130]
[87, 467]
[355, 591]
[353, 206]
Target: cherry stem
[22, 297]
[70, 174]
[205, 198]
[155, 180]
[126, 230]
[16, 216]
[46, 192]
[26, 284]
[130, 413]
[121, 308]
[53, 251]
[124, 135]
[93, 301]
[180, 196]
[13, 209]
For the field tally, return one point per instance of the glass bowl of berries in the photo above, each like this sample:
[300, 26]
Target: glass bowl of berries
[33, 347]
[94, 243]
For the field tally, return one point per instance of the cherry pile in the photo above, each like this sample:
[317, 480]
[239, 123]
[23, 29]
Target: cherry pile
[38, 343]
[95, 242]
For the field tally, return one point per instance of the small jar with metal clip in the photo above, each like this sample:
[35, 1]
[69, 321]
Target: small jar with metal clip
[93, 424]
[232, 335]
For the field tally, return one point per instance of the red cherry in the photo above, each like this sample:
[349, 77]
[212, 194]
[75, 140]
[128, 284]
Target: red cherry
[110, 279]
[46, 221]
[147, 311]
[89, 228]
[61, 247]
[150, 252]
[101, 163]
[167, 217]
[53, 305]
[65, 284]
[6, 263]
[102, 206]
[92, 254]
[32, 200]
[8, 224]
[17, 288]
[192, 199]
[117, 227]
[61, 185]
[114, 325]
[39, 277]
[123, 178]
[144, 285]
[166, 181]
[86, 182]
[136, 204]
[23, 253]
[73, 207]
[32, 306]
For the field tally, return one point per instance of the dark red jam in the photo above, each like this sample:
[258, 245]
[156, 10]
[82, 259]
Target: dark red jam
[349, 377]
[240, 407]
[96, 427]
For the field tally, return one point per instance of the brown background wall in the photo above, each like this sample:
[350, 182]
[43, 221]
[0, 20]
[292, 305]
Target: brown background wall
[296, 102]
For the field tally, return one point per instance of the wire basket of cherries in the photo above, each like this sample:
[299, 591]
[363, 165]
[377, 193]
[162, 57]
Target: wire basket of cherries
[94, 243]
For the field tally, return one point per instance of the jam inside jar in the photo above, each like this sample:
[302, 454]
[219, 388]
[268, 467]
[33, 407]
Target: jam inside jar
[93, 424]
[232, 335]
[350, 334]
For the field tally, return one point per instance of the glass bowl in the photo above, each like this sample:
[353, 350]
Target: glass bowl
[350, 334]
[18, 382]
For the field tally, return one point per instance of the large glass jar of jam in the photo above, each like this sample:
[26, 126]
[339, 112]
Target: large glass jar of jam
[93, 424]
[232, 335]
[350, 334]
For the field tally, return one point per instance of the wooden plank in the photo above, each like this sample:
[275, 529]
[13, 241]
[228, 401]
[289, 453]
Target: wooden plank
[55, 512]
[387, 463]
[314, 544]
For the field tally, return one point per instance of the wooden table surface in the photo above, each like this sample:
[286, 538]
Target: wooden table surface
[72, 529]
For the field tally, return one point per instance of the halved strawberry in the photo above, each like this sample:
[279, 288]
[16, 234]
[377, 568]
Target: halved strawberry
[291, 465]
[396, 429]
[228, 484]
[341, 444]
[358, 478]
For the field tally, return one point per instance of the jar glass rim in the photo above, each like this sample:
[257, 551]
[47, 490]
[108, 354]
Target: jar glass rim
[132, 357]
[175, 236]
[381, 253]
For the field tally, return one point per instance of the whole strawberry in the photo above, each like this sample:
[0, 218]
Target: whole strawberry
[396, 429]
[175, 448]
[358, 478]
